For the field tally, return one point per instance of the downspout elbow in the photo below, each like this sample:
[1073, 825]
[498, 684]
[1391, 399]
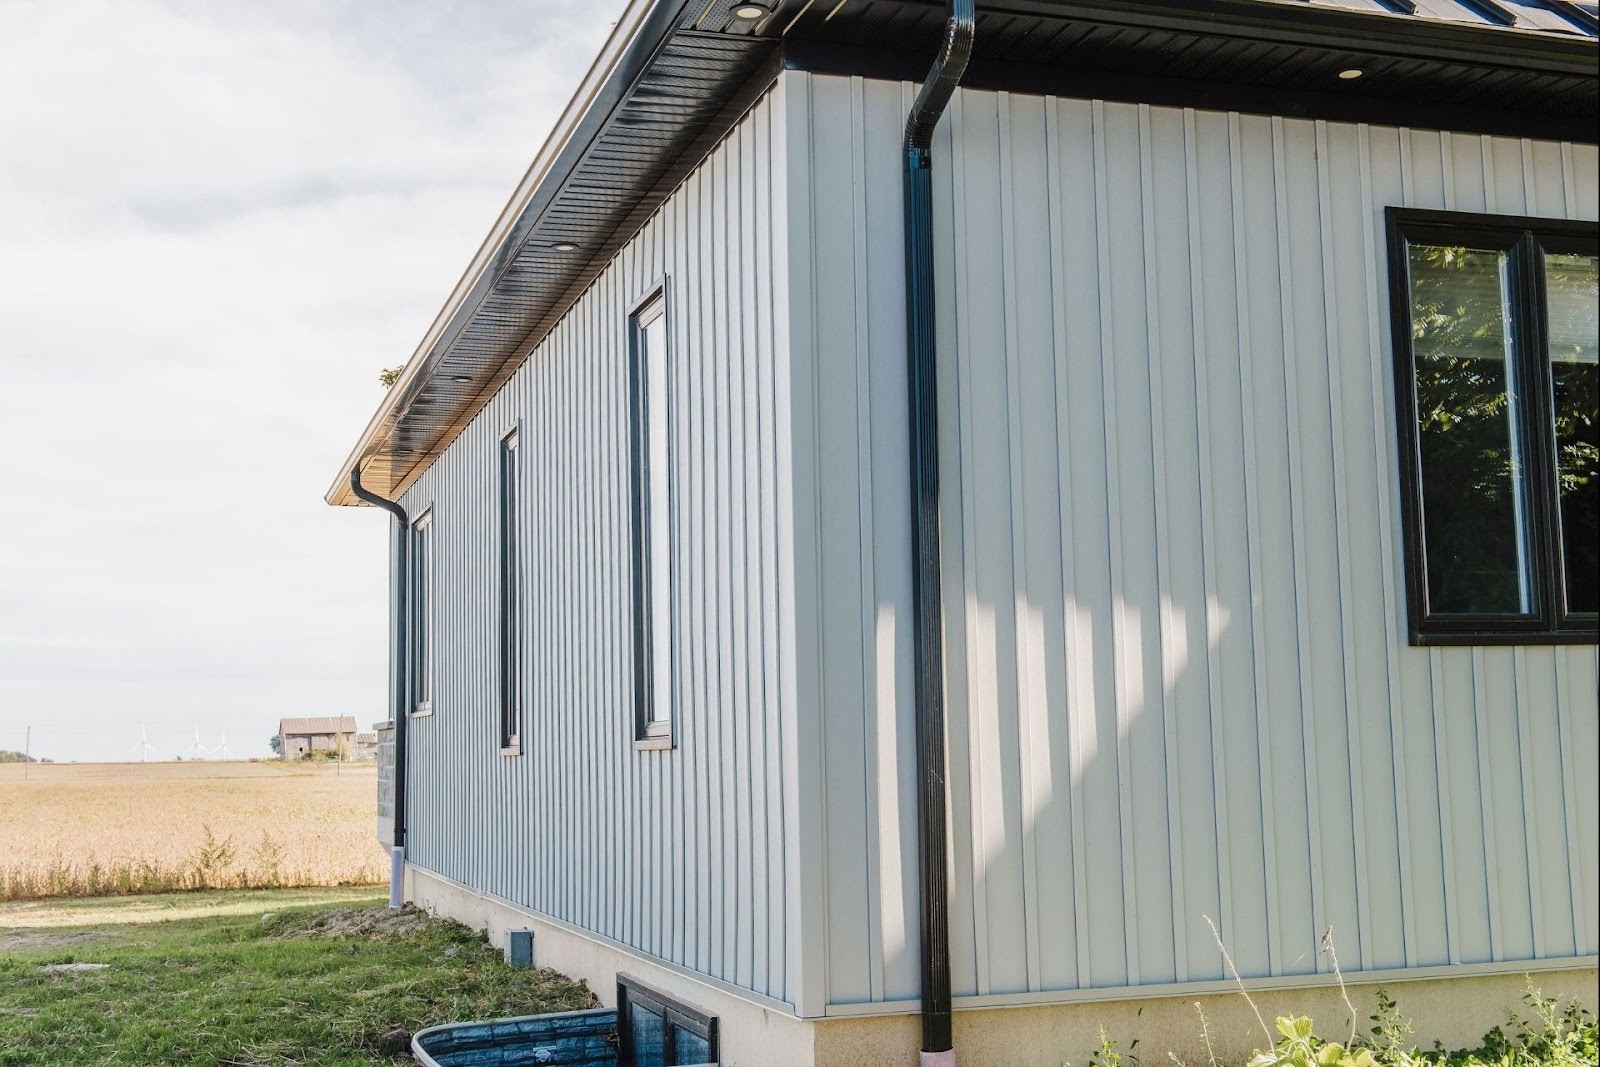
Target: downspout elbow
[397, 850]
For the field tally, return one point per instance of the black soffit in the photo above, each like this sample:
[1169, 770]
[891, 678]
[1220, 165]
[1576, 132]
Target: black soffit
[693, 67]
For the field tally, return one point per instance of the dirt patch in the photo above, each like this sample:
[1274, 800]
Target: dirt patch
[15, 940]
[350, 924]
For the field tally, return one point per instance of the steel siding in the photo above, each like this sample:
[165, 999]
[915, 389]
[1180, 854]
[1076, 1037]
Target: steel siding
[669, 853]
[1179, 685]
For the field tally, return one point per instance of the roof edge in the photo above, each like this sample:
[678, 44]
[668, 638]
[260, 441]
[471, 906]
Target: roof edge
[635, 30]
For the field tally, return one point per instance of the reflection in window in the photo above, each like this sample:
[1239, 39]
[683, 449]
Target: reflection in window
[649, 1038]
[1571, 300]
[1473, 491]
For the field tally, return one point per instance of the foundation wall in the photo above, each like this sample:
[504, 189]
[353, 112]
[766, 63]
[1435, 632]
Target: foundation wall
[752, 1034]
[1456, 1011]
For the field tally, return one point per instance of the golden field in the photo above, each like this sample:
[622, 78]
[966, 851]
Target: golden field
[96, 829]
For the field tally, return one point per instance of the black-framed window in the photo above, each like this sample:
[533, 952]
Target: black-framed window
[512, 605]
[650, 375]
[420, 676]
[653, 1030]
[1497, 384]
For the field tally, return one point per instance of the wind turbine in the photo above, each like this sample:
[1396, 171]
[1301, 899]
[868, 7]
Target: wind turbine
[222, 749]
[197, 748]
[144, 747]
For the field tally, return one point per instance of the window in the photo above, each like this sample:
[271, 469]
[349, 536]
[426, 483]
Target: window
[511, 598]
[652, 525]
[655, 1031]
[1497, 388]
[422, 615]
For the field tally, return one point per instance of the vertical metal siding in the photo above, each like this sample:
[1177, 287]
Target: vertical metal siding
[1179, 682]
[683, 854]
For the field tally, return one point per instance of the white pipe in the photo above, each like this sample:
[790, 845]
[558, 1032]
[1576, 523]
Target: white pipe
[397, 877]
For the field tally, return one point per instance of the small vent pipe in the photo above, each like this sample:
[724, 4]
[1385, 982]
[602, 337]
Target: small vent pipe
[397, 661]
[927, 607]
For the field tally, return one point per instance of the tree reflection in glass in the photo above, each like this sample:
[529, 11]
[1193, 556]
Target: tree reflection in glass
[1473, 492]
[1572, 295]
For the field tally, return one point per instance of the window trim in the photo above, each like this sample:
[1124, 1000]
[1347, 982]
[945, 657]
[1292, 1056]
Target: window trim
[420, 618]
[649, 733]
[511, 589]
[675, 1016]
[1523, 238]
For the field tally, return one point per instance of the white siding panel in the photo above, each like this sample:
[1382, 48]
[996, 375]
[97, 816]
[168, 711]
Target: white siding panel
[1178, 679]
[683, 855]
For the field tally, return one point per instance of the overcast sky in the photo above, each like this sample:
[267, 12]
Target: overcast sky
[218, 222]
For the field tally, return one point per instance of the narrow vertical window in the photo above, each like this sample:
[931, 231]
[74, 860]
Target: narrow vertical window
[511, 598]
[1571, 307]
[652, 508]
[1497, 393]
[421, 673]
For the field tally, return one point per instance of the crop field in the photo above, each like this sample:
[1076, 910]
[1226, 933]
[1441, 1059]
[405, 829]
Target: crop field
[76, 830]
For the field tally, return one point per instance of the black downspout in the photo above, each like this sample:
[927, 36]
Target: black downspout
[402, 530]
[923, 421]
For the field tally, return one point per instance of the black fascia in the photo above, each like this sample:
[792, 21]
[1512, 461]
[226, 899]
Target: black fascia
[636, 62]
[828, 57]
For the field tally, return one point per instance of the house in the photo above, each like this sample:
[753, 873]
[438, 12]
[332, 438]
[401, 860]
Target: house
[331, 734]
[910, 518]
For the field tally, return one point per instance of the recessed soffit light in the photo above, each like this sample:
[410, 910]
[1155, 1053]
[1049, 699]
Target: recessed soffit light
[461, 377]
[1350, 74]
[750, 12]
[565, 246]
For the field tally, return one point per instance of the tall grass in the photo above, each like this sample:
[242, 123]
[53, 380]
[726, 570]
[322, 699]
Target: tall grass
[216, 862]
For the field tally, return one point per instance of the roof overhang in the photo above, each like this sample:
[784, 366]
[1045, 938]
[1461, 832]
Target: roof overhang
[675, 75]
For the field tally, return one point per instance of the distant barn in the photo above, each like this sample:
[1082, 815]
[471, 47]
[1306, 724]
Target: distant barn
[318, 733]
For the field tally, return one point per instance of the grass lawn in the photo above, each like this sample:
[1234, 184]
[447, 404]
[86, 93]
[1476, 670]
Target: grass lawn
[204, 979]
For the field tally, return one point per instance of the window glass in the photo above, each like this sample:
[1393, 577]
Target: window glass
[1572, 296]
[648, 1033]
[691, 1047]
[422, 615]
[1468, 425]
[653, 341]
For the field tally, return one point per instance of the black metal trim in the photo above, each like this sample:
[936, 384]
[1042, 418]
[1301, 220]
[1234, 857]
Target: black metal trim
[1524, 238]
[646, 736]
[1333, 104]
[1326, 27]
[927, 606]
[402, 537]
[676, 1015]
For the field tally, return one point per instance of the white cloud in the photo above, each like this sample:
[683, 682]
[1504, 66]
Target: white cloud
[217, 222]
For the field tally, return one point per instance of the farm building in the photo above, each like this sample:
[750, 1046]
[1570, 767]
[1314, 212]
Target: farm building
[912, 516]
[330, 734]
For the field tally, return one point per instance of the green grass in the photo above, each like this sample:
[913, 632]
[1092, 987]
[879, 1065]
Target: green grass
[315, 985]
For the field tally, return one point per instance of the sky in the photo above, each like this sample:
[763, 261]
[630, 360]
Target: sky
[218, 223]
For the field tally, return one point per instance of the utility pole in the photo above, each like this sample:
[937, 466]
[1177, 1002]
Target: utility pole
[27, 750]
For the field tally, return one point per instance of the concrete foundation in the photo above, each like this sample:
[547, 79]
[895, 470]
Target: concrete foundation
[1454, 1010]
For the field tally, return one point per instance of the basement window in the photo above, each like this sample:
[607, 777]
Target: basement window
[1497, 388]
[421, 593]
[650, 370]
[512, 604]
[654, 1030]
